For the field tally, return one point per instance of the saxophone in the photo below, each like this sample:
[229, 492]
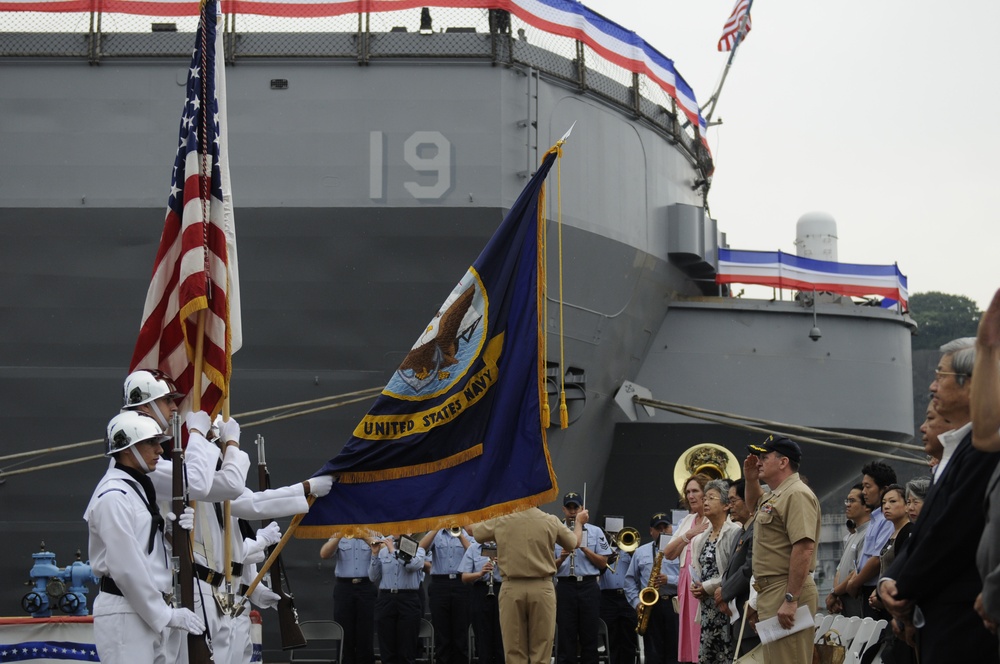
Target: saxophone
[648, 596]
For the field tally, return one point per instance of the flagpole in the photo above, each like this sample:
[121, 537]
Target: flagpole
[709, 108]
[296, 520]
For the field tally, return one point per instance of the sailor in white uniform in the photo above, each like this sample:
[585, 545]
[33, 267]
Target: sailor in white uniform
[227, 635]
[127, 550]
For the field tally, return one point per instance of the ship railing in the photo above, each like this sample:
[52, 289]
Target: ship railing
[457, 34]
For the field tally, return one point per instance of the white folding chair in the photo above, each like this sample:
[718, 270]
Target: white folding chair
[860, 641]
[847, 636]
[824, 626]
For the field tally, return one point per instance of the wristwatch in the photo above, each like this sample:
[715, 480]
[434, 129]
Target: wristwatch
[789, 597]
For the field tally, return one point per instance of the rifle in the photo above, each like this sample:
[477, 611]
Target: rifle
[199, 651]
[288, 617]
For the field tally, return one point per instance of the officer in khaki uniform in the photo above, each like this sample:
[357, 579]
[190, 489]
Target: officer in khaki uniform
[786, 531]
[525, 542]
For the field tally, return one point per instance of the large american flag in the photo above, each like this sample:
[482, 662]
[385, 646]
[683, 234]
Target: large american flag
[195, 272]
[736, 28]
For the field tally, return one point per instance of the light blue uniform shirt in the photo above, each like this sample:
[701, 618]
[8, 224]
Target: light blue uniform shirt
[446, 553]
[615, 580]
[472, 561]
[878, 533]
[352, 558]
[594, 540]
[390, 573]
[640, 570]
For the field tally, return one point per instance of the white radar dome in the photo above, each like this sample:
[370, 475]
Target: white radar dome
[816, 236]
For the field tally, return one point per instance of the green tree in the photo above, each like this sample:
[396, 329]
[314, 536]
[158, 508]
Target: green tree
[942, 317]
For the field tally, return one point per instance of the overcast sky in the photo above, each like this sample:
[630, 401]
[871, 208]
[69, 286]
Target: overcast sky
[882, 113]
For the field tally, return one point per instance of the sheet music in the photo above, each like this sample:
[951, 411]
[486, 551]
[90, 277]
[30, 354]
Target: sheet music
[769, 630]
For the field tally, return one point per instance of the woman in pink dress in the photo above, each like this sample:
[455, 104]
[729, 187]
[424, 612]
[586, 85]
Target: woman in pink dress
[695, 523]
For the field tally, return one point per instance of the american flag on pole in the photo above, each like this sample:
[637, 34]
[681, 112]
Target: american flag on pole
[736, 27]
[195, 272]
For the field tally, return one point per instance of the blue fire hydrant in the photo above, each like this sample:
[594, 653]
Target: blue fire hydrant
[50, 586]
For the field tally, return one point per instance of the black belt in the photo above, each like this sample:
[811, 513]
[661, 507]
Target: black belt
[353, 579]
[395, 591]
[446, 577]
[576, 579]
[614, 591]
[213, 578]
[109, 586]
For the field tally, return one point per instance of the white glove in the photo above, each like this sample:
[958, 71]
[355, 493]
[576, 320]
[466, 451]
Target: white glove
[187, 620]
[253, 549]
[198, 420]
[320, 485]
[187, 518]
[264, 597]
[228, 430]
[271, 533]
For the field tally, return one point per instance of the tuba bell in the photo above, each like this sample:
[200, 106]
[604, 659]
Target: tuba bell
[709, 459]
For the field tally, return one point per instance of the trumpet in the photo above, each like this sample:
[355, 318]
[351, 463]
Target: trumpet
[455, 531]
[627, 540]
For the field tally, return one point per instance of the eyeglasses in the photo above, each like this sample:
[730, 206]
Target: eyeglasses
[850, 501]
[938, 374]
[707, 498]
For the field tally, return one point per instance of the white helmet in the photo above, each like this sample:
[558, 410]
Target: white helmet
[130, 427]
[147, 385]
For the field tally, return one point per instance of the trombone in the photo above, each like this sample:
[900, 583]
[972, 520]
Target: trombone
[627, 539]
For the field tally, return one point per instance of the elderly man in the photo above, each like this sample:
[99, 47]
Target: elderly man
[736, 578]
[525, 541]
[933, 582]
[985, 409]
[786, 531]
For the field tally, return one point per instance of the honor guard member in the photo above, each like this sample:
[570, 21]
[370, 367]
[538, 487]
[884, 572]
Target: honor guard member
[480, 571]
[786, 532]
[353, 596]
[127, 550]
[660, 640]
[449, 597]
[616, 612]
[525, 541]
[208, 541]
[578, 597]
[153, 393]
[398, 609]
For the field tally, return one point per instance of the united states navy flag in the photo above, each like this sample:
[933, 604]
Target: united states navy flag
[457, 434]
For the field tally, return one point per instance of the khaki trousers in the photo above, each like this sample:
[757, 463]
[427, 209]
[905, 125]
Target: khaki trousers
[527, 620]
[797, 648]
